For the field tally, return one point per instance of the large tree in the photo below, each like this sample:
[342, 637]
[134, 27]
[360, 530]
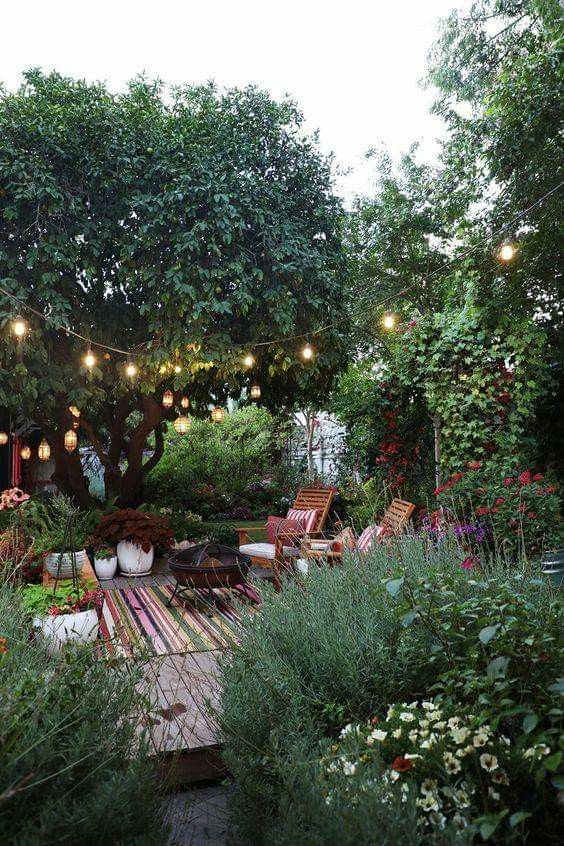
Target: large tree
[184, 229]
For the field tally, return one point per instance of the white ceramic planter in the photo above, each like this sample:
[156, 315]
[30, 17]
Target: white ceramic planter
[132, 560]
[105, 567]
[52, 562]
[65, 628]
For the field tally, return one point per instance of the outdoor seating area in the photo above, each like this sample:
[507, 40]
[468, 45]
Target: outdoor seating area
[281, 425]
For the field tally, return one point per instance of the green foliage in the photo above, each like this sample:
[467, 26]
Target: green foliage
[38, 600]
[46, 522]
[188, 227]
[351, 641]
[216, 468]
[71, 762]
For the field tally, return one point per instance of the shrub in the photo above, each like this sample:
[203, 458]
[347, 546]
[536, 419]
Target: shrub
[519, 506]
[138, 527]
[72, 765]
[410, 625]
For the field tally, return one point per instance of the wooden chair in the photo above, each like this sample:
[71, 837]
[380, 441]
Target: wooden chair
[395, 519]
[276, 555]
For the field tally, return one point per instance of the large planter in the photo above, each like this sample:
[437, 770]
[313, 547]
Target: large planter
[105, 568]
[60, 629]
[65, 572]
[133, 561]
[553, 567]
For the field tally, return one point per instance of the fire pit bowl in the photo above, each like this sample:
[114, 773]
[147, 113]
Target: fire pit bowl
[208, 566]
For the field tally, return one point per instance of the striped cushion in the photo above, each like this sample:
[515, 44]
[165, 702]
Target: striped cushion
[367, 538]
[306, 517]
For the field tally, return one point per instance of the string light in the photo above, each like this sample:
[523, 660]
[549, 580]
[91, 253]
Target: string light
[177, 368]
[70, 440]
[249, 360]
[89, 359]
[3, 438]
[255, 392]
[218, 415]
[182, 425]
[389, 320]
[507, 252]
[130, 370]
[168, 399]
[307, 352]
[44, 451]
[25, 452]
[19, 327]
[74, 410]
[185, 402]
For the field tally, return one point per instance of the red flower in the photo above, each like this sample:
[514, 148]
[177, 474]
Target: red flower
[532, 514]
[456, 477]
[474, 465]
[401, 764]
[483, 509]
[468, 563]
[500, 500]
[525, 477]
[508, 481]
[538, 477]
[550, 489]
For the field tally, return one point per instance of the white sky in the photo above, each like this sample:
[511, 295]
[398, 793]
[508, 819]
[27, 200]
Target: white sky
[354, 67]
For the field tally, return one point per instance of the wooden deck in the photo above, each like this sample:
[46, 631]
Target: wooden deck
[183, 692]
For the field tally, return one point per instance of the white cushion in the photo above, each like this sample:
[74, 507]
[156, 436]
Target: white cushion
[266, 550]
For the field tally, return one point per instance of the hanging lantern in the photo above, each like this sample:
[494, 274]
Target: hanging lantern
[255, 392]
[44, 451]
[185, 402]
[19, 327]
[70, 440]
[25, 453]
[3, 438]
[181, 425]
[74, 410]
[168, 399]
[218, 415]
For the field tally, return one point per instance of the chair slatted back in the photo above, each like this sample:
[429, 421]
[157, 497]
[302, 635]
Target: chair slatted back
[319, 498]
[397, 515]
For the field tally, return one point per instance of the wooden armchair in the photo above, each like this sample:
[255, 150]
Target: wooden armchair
[277, 555]
[395, 519]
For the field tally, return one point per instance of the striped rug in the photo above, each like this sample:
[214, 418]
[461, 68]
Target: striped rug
[137, 619]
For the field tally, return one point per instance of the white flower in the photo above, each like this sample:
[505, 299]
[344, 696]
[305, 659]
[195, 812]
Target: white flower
[480, 739]
[406, 717]
[424, 732]
[391, 712]
[435, 715]
[428, 802]
[454, 722]
[493, 794]
[459, 822]
[349, 768]
[348, 729]
[461, 753]
[394, 775]
[505, 740]
[413, 735]
[412, 756]
[452, 764]
[424, 723]
[461, 798]
[459, 735]
[440, 725]
[437, 819]
[428, 706]
[542, 749]
[500, 777]
[429, 741]
[378, 734]
[488, 762]
[396, 733]
[429, 785]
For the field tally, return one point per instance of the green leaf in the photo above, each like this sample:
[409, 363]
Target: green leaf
[518, 817]
[497, 668]
[488, 633]
[394, 586]
[408, 618]
[558, 782]
[553, 761]
[530, 722]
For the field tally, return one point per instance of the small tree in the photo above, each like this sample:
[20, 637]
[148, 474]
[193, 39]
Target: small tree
[183, 231]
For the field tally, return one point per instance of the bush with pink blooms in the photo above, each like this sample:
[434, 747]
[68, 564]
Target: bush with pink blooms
[519, 506]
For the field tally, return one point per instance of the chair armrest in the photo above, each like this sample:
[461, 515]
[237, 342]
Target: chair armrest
[243, 536]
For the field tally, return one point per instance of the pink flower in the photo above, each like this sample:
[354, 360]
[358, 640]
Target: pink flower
[525, 477]
[538, 477]
[468, 563]
[508, 481]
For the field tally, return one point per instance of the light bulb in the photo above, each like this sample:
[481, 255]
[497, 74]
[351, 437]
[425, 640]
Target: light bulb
[249, 360]
[507, 252]
[74, 410]
[131, 370]
[3, 438]
[89, 359]
[185, 402]
[177, 368]
[19, 327]
[307, 352]
[389, 320]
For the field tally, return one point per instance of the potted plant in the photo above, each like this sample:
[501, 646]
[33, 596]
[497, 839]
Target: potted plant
[58, 529]
[136, 534]
[64, 615]
[105, 562]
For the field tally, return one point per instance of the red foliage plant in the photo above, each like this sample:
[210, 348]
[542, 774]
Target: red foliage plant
[138, 527]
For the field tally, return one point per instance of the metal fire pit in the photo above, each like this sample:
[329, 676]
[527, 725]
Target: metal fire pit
[192, 568]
